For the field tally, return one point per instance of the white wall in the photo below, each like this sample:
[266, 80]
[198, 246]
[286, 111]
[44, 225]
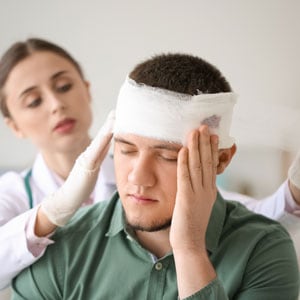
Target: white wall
[256, 44]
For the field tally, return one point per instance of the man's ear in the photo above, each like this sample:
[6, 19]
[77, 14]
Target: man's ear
[225, 156]
[14, 127]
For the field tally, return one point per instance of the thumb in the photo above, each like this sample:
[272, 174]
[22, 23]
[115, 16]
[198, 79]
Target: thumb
[94, 154]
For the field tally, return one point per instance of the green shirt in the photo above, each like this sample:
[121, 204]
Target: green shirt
[95, 258]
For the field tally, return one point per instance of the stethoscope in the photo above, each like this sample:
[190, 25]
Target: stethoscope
[28, 188]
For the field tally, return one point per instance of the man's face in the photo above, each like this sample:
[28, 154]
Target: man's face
[146, 174]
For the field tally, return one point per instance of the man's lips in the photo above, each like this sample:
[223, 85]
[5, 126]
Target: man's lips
[65, 125]
[141, 198]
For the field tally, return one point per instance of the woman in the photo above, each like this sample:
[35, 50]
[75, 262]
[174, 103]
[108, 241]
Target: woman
[44, 98]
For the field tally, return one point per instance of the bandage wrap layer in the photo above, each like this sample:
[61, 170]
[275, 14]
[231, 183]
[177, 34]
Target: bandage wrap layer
[169, 116]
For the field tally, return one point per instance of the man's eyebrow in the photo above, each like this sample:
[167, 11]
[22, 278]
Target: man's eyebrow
[164, 146]
[54, 76]
[120, 140]
[169, 147]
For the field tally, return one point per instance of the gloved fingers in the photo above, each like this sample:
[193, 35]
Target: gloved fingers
[94, 154]
[106, 129]
[61, 205]
[105, 145]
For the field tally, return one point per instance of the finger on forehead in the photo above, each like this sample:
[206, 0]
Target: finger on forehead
[194, 162]
[206, 155]
[183, 174]
[214, 141]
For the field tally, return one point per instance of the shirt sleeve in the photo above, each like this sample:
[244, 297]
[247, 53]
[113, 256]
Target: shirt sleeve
[36, 245]
[19, 246]
[273, 206]
[271, 273]
[276, 205]
[214, 290]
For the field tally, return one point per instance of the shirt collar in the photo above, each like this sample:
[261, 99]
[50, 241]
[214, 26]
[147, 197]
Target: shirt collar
[214, 228]
[216, 224]
[117, 221]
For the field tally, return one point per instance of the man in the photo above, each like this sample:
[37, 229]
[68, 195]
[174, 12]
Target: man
[168, 233]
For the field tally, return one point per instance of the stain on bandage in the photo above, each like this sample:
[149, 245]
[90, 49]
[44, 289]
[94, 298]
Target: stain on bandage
[212, 121]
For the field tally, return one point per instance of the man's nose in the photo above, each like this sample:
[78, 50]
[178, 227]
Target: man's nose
[142, 172]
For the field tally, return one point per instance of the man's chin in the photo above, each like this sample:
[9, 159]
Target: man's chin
[142, 226]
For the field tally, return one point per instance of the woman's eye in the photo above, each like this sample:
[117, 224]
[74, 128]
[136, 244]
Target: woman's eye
[34, 103]
[64, 88]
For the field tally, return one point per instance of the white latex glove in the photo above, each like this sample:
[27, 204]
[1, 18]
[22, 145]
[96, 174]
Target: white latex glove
[294, 171]
[62, 204]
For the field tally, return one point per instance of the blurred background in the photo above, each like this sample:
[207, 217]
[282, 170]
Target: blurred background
[256, 45]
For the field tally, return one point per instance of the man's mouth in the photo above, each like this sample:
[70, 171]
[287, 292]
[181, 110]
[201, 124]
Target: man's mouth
[141, 199]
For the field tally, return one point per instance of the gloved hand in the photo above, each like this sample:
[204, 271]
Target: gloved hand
[294, 171]
[62, 204]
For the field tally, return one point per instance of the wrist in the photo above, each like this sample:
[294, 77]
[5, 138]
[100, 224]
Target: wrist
[43, 226]
[195, 246]
[295, 191]
[194, 271]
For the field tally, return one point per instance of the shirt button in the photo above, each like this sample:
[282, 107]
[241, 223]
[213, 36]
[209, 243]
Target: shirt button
[158, 266]
[129, 237]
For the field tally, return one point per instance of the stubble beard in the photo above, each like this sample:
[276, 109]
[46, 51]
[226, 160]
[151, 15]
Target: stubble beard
[157, 226]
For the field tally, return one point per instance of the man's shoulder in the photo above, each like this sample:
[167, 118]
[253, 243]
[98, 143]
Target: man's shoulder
[86, 218]
[260, 237]
[257, 249]
[242, 219]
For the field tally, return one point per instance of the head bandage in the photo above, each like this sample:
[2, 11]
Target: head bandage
[169, 116]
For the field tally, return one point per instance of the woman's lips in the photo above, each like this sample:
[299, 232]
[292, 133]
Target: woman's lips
[65, 126]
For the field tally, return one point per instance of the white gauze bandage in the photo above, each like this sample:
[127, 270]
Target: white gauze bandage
[169, 116]
[60, 206]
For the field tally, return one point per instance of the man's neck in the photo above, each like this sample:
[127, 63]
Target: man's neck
[157, 242]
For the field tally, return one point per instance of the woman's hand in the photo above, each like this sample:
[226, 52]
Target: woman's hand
[61, 205]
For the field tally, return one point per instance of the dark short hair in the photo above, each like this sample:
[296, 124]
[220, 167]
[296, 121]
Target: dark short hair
[181, 73]
[21, 50]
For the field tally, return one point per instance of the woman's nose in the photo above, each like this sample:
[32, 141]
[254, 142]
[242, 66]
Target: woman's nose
[56, 102]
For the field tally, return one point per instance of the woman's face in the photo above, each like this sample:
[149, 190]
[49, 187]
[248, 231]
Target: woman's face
[49, 102]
